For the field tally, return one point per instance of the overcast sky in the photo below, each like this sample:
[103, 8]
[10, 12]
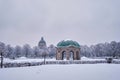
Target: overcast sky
[85, 21]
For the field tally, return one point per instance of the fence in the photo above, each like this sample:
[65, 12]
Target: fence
[24, 64]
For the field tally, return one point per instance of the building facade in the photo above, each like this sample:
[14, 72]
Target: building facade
[42, 43]
[43, 48]
[68, 50]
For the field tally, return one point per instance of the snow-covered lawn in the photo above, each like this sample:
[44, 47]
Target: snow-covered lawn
[23, 59]
[63, 72]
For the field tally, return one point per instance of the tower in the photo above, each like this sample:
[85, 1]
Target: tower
[42, 43]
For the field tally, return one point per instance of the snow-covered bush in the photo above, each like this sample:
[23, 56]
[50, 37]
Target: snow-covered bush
[109, 60]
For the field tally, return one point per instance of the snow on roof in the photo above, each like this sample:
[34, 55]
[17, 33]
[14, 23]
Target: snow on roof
[68, 42]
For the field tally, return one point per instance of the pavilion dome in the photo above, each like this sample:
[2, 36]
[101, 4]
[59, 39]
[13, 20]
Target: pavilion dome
[66, 43]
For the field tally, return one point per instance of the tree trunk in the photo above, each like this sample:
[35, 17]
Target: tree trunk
[44, 59]
[1, 60]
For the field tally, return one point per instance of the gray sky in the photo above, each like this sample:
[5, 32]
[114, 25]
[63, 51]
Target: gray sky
[86, 21]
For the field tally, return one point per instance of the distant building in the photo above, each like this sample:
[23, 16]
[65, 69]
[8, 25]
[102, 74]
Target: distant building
[69, 50]
[42, 43]
[65, 50]
[43, 48]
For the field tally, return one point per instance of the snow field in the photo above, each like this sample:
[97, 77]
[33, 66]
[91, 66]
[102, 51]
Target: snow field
[63, 72]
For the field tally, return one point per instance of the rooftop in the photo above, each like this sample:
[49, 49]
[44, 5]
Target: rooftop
[66, 43]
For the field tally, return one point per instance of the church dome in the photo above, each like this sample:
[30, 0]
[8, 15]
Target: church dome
[66, 43]
[42, 40]
[42, 43]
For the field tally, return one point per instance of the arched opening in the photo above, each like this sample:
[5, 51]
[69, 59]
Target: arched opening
[71, 56]
[77, 55]
[64, 55]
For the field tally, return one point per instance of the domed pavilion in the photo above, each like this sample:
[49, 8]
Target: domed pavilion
[68, 50]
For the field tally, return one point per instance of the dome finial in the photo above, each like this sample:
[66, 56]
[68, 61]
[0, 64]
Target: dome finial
[42, 38]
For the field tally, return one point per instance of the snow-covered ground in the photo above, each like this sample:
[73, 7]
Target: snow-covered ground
[23, 59]
[63, 72]
[91, 59]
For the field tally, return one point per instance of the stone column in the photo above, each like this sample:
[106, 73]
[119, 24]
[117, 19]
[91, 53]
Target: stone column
[67, 54]
[75, 56]
[58, 55]
[78, 55]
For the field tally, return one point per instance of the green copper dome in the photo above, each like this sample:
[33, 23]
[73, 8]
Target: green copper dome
[66, 43]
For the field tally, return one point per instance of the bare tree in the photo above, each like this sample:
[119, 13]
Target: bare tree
[2, 47]
[44, 54]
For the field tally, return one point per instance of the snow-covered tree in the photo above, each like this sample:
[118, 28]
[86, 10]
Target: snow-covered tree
[52, 50]
[101, 50]
[27, 51]
[18, 51]
[36, 52]
[85, 51]
[9, 52]
[117, 50]
[2, 47]
[113, 48]
[2, 50]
